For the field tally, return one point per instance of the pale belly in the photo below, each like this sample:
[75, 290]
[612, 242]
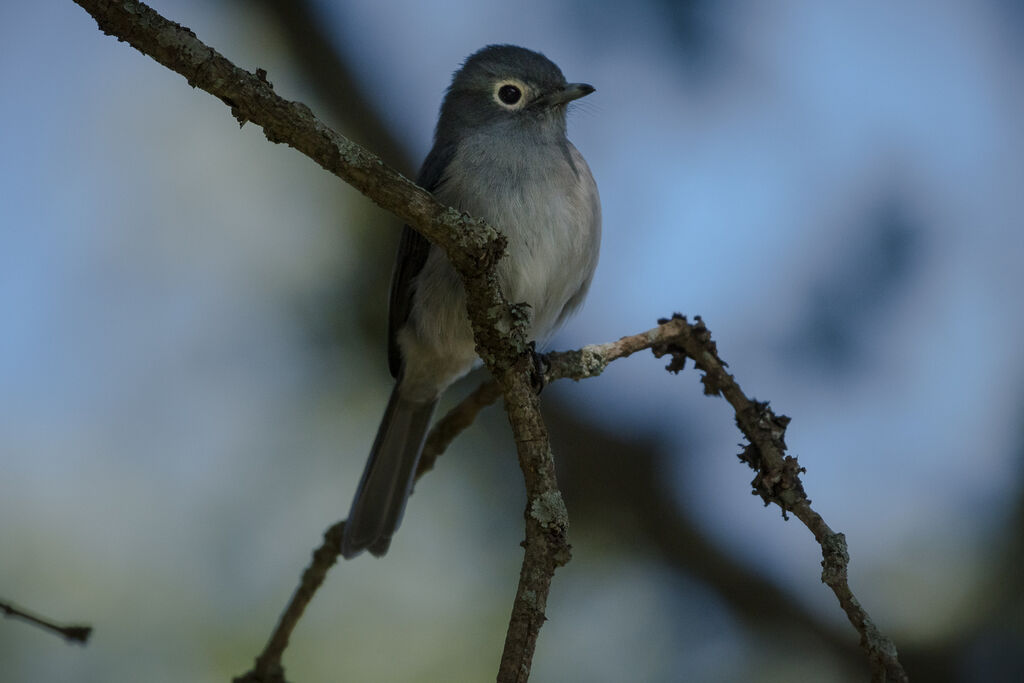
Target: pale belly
[553, 240]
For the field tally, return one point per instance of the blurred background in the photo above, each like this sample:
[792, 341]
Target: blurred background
[192, 364]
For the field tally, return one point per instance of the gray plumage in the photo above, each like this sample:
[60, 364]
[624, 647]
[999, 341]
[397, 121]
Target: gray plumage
[501, 153]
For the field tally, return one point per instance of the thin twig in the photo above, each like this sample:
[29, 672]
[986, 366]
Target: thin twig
[268, 667]
[778, 479]
[454, 422]
[73, 634]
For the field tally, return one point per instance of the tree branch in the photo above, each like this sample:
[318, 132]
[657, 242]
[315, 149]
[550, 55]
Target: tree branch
[454, 422]
[778, 475]
[268, 667]
[778, 478]
[73, 634]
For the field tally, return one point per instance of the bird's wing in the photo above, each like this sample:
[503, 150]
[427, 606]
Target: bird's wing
[412, 254]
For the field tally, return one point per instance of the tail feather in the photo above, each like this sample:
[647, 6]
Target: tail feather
[387, 480]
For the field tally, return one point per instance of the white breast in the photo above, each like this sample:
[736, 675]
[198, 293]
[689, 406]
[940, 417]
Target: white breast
[545, 201]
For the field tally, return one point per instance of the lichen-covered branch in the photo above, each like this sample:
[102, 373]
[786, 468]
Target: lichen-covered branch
[778, 479]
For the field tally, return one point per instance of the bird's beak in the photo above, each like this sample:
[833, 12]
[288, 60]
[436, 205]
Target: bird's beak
[572, 91]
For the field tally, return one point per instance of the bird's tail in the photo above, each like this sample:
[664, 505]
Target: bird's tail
[387, 480]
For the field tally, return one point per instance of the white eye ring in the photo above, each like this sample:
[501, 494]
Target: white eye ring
[510, 94]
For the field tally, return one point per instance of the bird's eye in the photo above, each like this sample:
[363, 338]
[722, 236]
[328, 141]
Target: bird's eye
[510, 94]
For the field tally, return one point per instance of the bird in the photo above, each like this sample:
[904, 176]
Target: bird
[500, 153]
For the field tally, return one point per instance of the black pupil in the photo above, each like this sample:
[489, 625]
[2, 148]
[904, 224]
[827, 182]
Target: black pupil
[509, 94]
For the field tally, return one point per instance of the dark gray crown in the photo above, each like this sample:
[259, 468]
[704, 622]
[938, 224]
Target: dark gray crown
[507, 61]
